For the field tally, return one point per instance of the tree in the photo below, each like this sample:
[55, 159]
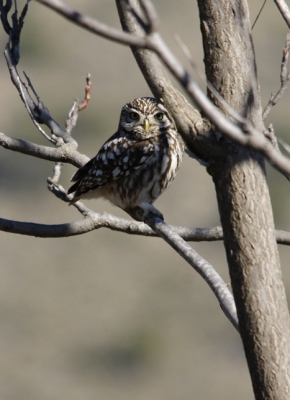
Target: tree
[228, 137]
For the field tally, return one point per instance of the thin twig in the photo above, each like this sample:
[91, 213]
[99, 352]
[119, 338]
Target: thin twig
[93, 25]
[38, 112]
[285, 145]
[73, 114]
[57, 172]
[259, 13]
[284, 78]
[24, 97]
[86, 100]
[14, 30]
[77, 107]
[151, 15]
[270, 134]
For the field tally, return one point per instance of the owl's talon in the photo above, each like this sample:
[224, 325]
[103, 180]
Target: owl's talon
[149, 208]
[159, 215]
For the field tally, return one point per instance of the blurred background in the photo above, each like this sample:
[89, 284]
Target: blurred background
[106, 315]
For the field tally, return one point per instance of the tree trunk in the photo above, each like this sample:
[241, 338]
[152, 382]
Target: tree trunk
[244, 203]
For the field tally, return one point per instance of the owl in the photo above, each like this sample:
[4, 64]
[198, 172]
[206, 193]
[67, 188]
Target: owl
[136, 164]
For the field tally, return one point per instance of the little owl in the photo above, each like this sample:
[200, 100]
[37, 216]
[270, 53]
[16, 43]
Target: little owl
[136, 164]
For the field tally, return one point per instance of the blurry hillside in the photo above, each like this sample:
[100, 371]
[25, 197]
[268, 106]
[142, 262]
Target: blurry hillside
[105, 315]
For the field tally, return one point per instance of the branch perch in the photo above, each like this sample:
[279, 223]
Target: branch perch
[94, 221]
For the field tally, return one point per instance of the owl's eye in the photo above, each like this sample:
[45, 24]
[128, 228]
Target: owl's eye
[159, 116]
[134, 116]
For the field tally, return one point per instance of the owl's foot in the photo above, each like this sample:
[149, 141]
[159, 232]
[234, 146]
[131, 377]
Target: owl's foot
[141, 212]
[148, 208]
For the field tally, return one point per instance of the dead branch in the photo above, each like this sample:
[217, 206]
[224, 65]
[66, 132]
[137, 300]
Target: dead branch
[39, 113]
[14, 30]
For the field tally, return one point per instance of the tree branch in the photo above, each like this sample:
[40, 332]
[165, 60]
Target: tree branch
[284, 78]
[66, 145]
[92, 25]
[65, 153]
[14, 30]
[38, 112]
[244, 134]
[94, 221]
[284, 10]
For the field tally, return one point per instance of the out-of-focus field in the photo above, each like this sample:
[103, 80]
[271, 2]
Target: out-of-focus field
[106, 315]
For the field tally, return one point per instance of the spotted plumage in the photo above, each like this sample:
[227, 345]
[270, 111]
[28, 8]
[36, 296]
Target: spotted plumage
[137, 163]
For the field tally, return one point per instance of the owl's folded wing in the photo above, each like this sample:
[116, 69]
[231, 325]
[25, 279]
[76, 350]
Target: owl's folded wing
[117, 158]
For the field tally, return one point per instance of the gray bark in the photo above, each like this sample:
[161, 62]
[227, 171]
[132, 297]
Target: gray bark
[244, 203]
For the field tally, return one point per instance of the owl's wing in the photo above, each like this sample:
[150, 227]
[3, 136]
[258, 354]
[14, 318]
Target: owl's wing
[117, 158]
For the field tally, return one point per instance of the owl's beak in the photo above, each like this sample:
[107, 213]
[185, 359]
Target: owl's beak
[146, 124]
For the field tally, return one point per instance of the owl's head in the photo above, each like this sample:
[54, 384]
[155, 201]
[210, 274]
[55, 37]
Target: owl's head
[145, 117]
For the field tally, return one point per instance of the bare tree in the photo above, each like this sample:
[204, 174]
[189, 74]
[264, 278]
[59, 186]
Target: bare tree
[227, 136]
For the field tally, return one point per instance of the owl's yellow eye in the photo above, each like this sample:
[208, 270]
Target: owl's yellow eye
[159, 116]
[134, 116]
